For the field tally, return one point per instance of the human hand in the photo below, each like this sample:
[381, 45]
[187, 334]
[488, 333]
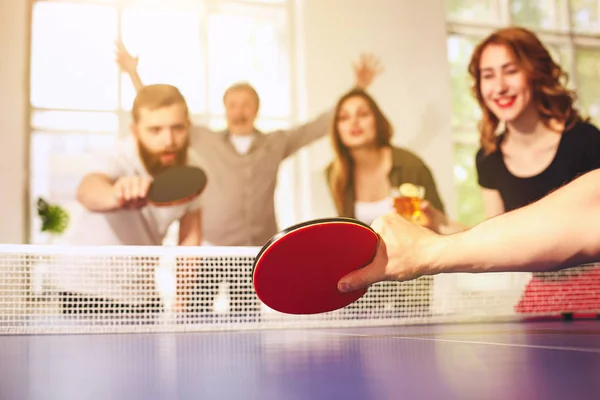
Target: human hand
[126, 61]
[402, 254]
[432, 218]
[130, 192]
[366, 69]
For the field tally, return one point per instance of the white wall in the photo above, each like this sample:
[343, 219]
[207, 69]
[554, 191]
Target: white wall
[414, 91]
[14, 45]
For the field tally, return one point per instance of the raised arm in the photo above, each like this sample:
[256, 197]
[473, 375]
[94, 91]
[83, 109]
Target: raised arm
[557, 232]
[365, 71]
[129, 64]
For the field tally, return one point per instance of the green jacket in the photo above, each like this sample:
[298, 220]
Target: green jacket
[406, 168]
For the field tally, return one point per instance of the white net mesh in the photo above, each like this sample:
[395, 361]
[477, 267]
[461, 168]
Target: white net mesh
[55, 289]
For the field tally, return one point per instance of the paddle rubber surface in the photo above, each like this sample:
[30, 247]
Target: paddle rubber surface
[177, 185]
[298, 270]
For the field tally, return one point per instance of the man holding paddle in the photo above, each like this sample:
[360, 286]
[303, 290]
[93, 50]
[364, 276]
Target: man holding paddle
[557, 232]
[114, 193]
[130, 197]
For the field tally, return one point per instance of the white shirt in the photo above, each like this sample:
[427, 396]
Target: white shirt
[241, 143]
[368, 211]
[146, 226]
[119, 279]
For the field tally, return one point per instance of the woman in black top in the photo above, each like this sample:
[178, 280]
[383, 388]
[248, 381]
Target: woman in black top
[577, 152]
[544, 141]
[544, 144]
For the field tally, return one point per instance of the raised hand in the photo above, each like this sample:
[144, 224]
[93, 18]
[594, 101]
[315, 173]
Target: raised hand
[366, 69]
[126, 61]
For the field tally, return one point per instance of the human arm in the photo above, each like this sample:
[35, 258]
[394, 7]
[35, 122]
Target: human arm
[433, 213]
[438, 221]
[98, 192]
[365, 71]
[190, 228]
[492, 202]
[557, 232]
[129, 64]
[441, 223]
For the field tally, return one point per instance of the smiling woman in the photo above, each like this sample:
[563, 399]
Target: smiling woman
[545, 142]
[522, 163]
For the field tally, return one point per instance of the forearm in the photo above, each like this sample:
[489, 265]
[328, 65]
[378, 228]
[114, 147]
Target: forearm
[559, 231]
[307, 133]
[136, 80]
[96, 193]
[190, 229]
[450, 227]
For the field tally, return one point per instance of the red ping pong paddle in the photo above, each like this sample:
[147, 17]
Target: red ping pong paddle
[176, 185]
[297, 270]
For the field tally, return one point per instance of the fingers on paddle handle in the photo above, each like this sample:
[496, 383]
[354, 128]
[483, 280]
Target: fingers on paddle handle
[371, 273]
[351, 282]
[131, 191]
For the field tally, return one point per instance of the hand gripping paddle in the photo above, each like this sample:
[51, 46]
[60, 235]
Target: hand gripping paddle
[297, 271]
[176, 185]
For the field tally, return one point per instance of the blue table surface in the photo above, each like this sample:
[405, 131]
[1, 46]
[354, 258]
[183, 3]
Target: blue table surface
[533, 360]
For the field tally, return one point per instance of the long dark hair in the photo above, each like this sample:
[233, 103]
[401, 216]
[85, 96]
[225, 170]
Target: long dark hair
[341, 172]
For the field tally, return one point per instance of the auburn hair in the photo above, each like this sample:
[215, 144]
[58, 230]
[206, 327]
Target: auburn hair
[342, 167]
[552, 99]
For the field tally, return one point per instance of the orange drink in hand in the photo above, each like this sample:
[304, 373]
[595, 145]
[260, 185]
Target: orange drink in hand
[407, 201]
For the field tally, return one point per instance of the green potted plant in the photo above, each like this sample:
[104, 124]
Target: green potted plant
[55, 219]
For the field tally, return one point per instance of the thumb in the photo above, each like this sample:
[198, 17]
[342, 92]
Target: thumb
[371, 273]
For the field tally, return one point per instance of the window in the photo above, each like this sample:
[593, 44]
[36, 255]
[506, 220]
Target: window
[80, 102]
[174, 55]
[56, 162]
[248, 47]
[568, 27]
[72, 65]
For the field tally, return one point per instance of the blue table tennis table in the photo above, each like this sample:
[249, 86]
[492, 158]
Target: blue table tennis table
[442, 338]
[527, 360]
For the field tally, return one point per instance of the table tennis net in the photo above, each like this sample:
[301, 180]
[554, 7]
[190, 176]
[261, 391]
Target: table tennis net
[56, 289]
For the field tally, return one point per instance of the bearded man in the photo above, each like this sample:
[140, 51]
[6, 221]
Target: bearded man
[115, 211]
[113, 193]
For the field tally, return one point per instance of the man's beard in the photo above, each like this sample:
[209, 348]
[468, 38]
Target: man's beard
[152, 161]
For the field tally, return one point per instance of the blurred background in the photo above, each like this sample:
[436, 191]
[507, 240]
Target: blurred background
[63, 97]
